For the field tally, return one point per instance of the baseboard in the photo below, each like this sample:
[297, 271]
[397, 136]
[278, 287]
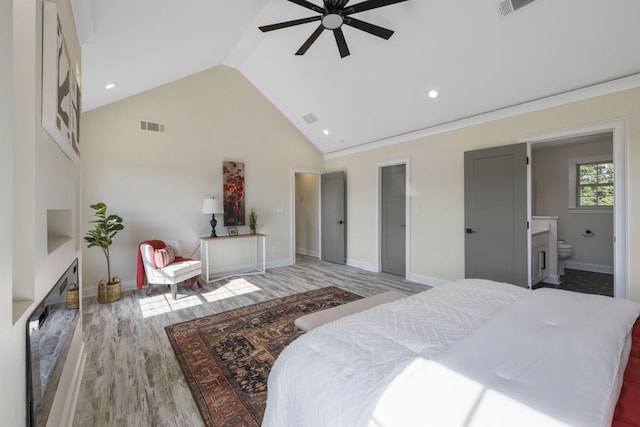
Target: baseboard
[124, 286]
[69, 410]
[594, 268]
[307, 252]
[427, 280]
[552, 279]
[132, 286]
[361, 265]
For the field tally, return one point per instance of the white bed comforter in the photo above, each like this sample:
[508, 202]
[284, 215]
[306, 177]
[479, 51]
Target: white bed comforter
[469, 353]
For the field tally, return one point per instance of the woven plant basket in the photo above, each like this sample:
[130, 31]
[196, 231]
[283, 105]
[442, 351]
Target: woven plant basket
[73, 298]
[109, 292]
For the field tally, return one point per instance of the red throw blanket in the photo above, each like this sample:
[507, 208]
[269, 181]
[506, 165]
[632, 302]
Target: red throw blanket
[627, 413]
[141, 279]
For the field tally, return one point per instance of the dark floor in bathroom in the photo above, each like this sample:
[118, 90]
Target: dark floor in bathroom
[586, 282]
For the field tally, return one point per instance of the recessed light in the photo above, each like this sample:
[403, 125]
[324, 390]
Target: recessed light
[326, 132]
[433, 94]
[110, 85]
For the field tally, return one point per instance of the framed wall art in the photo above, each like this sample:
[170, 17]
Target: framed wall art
[233, 193]
[60, 86]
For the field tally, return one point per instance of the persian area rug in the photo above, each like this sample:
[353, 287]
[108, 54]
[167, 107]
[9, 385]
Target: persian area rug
[226, 358]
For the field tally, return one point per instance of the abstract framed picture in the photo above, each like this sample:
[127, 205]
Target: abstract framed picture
[233, 193]
[233, 231]
[60, 86]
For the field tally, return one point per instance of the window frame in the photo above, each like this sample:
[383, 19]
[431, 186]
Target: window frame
[573, 184]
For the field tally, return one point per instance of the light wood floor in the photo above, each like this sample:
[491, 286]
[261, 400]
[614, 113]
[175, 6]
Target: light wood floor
[132, 378]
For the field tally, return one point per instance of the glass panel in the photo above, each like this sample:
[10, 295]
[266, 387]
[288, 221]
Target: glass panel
[595, 184]
[588, 196]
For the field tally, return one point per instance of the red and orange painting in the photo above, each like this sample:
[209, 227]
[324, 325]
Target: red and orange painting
[233, 190]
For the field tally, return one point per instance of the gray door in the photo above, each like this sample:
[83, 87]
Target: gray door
[392, 219]
[334, 226]
[495, 210]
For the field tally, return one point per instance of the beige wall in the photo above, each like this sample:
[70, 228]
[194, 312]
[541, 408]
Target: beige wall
[39, 178]
[308, 214]
[438, 189]
[550, 175]
[157, 182]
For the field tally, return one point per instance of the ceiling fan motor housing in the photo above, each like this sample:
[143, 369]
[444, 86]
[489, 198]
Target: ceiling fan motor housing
[332, 19]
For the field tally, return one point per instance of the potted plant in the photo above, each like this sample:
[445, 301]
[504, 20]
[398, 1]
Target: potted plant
[253, 221]
[105, 227]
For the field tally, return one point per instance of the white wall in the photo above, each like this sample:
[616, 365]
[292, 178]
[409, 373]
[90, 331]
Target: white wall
[36, 176]
[11, 336]
[550, 172]
[157, 182]
[308, 214]
[437, 206]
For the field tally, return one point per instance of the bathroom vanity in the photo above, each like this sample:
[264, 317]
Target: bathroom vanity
[539, 255]
[544, 250]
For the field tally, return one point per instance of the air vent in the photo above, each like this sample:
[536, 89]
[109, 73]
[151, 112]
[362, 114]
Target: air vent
[507, 7]
[149, 126]
[310, 118]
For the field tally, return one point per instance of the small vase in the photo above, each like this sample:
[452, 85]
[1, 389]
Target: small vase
[253, 231]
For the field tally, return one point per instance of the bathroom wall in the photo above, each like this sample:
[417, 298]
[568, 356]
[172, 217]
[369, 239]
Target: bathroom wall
[550, 174]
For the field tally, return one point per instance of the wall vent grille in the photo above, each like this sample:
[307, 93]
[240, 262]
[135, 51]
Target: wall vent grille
[150, 126]
[507, 7]
[310, 118]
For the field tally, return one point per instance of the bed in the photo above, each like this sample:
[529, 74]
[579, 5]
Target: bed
[468, 353]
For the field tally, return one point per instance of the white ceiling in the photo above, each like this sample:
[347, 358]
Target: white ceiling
[478, 60]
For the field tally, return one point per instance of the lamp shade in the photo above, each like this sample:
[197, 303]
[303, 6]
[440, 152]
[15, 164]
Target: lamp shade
[211, 206]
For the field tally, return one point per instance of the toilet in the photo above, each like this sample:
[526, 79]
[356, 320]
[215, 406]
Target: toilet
[565, 251]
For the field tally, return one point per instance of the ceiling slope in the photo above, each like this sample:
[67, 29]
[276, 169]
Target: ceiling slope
[476, 58]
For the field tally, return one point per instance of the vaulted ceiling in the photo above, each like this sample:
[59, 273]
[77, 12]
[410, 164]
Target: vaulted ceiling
[475, 57]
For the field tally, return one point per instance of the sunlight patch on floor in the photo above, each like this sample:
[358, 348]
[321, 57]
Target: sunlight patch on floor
[159, 304]
[234, 288]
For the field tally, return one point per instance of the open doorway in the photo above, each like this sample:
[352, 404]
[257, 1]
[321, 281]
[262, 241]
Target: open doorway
[306, 215]
[572, 191]
[615, 130]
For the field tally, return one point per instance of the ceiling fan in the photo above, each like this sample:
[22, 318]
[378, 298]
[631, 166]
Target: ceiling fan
[333, 16]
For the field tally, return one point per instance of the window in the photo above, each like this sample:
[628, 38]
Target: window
[594, 185]
[591, 186]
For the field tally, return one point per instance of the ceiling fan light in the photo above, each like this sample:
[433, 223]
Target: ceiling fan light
[331, 21]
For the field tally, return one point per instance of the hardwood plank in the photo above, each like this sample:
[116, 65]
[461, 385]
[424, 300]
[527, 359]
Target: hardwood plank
[131, 375]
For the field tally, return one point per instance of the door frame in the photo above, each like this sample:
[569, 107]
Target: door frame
[293, 209]
[406, 161]
[618, 127]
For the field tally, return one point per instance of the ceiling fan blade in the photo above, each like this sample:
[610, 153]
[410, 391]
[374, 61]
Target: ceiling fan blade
[342, 43]
[335, 4]
[368, 5]
[286, 24]
[303, 49]
[308, 5]
[369, 28]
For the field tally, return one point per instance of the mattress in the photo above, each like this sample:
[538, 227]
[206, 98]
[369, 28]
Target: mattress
[388, 366]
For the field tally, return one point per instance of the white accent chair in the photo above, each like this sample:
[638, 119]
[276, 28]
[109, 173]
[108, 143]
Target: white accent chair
[172, 274]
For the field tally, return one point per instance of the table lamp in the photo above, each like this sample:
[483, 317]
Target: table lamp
[211, 206]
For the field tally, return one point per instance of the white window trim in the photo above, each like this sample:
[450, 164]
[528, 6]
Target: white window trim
[573, 164]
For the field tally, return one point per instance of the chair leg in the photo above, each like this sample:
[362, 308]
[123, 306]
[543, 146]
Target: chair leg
[174, 290]
[148, 289]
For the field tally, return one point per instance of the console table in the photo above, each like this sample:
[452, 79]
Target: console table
[211, 244]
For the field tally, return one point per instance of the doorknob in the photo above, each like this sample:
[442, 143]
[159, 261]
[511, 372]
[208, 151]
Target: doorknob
[340, 222]
[469, 231]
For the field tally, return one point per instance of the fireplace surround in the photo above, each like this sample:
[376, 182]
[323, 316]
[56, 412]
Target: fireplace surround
[50, 330]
